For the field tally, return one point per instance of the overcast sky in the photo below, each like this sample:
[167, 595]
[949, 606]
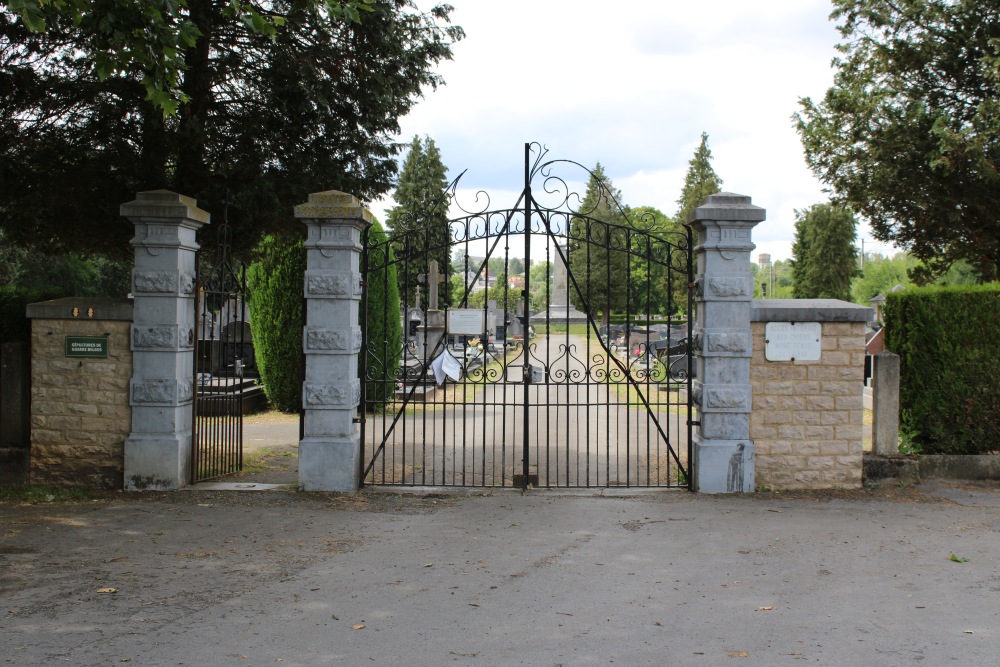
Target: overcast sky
[633, 85]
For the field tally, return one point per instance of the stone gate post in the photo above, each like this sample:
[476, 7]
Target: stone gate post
[722, 450]
[158, 450]
[330, 450]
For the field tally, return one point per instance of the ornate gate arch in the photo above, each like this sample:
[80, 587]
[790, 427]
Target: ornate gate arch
[527, 381]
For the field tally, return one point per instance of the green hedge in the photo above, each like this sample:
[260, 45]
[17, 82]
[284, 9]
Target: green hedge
[383, 328]
[947, 340]
[274, 286]
[14, 326]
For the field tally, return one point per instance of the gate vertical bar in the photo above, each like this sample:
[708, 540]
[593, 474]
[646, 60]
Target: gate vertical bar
[525, 467]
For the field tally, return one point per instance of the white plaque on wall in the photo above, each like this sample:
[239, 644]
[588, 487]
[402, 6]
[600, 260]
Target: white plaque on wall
[793, 341]
[466, 321]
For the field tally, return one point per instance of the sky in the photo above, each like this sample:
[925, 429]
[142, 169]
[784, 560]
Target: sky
[633, 85]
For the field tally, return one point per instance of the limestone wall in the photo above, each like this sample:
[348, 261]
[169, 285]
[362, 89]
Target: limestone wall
[80, 413]
[807, 416]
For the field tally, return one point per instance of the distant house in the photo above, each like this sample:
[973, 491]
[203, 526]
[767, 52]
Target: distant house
[516, 282]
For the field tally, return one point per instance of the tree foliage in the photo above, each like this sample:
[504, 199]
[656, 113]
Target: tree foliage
[824, 255]
[598, 256]
[268, 119]
[700, 181]
[151, 36]
[909, 135]
[651, 282]
[419, 221]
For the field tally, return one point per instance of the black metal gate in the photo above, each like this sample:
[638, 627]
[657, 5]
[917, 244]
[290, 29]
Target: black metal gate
[225, 368]
[542, 345]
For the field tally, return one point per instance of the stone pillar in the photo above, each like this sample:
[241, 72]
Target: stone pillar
[723, 454]
[158, 451]
[330, 449]
[885, 403]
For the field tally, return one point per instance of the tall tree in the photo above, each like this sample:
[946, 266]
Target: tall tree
[825, 259]
[700, 181]
[909, 134]
[598, 256]
[419, 221]
[267, 119]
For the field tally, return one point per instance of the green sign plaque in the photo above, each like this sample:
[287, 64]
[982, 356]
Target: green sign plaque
[87, 347]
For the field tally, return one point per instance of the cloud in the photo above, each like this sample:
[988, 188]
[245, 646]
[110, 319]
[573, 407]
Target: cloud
[633, 86]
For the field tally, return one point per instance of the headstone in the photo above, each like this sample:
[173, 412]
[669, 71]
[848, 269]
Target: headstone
[560, 309]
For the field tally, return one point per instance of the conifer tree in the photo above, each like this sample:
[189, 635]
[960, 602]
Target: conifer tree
[598, 256]
[699, 182]
[824, 254]
[419, 221]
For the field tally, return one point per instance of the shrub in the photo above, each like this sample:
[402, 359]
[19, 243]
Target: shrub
[383, 326]
[274, 286]
[947, 339]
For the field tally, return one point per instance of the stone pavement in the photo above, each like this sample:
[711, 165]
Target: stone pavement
[668, 578]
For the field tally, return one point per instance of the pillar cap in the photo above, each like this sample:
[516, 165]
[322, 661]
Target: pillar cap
[727, 206]
[333, 204]
[164, 205]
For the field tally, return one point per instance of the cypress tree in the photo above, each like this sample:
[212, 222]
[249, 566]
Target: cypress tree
[419, 221]
[274, 286]
[598, 259]
[824, 255]
[383, 326]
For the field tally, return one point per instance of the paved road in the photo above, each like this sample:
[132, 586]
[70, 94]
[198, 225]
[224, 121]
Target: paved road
[543, 578]
[581, 429]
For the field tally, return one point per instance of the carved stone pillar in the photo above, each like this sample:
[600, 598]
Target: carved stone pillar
[158, 450]
[722, 450]
[330, 450]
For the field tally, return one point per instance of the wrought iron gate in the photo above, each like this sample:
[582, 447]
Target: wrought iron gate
[224, 364]
[500, 365]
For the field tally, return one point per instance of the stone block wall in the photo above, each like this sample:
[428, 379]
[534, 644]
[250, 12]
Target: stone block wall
[80, 413]
[807, 416]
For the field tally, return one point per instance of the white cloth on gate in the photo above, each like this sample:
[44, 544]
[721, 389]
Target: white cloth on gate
[446, 365]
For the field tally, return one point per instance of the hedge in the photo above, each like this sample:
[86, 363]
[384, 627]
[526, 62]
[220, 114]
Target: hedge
[947, 340]
[383, 328]
[274, 286]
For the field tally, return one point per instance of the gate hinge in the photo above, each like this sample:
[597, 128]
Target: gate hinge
[694, 423]
[364, 283]
[358, 420]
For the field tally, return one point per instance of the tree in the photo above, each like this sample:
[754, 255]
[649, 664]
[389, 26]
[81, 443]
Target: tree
[700, 181]
[267, 121]
[152, 36]
[909, 134]
[419, 221]
[598, 256]
[880, 275]
[825, 258]
[650, 280]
